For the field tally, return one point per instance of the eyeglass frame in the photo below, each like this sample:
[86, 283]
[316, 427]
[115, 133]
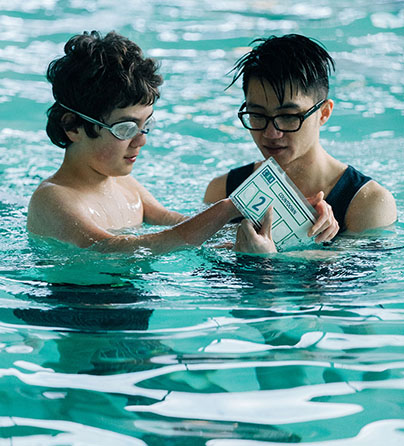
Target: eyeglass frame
[302, 117]
[109, 127]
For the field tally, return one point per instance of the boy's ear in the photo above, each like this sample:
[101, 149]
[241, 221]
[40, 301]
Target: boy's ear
[326, 111]
[71, 130]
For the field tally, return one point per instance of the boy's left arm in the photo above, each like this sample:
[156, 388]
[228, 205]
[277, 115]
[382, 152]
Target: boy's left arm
[372, 207]
[154, 212]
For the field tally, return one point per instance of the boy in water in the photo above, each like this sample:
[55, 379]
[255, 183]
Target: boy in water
[104, 90]
[285, 83]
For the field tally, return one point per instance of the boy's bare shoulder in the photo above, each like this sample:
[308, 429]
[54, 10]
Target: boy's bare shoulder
[49, 200]
[50, 192]
[127, 180]
[129, 183]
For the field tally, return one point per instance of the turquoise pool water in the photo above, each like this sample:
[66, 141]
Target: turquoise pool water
[202, 346]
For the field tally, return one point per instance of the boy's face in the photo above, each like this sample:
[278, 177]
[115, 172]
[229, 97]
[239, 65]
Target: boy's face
[111, 156]
[285, 147]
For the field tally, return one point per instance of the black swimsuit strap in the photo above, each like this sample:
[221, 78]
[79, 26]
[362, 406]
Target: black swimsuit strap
[236, 176]
[343, 192]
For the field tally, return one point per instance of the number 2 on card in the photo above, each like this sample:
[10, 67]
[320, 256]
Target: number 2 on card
[260, 203]
[257, 206]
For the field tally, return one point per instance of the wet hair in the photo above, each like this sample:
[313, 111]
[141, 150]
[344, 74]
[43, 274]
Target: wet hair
[292, 60]
[95, 76]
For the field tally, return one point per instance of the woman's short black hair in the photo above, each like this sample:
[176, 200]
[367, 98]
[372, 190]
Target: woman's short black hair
[96, 75]
[292, 60]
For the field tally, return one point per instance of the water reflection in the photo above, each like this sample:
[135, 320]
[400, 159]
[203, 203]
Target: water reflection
[340, 272]
[372, 434]
[202, 347]
[49, 432]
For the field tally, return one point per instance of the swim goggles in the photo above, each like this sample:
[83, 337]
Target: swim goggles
[121, 130]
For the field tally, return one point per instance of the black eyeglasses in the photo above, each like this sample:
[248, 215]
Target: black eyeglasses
[284, 123]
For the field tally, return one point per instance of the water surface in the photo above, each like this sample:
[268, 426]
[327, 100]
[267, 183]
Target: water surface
[202, 346]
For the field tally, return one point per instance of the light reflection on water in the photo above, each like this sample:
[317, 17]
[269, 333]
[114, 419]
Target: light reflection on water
[201, 345]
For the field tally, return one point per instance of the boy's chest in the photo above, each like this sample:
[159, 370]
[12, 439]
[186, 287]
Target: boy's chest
[115, 210]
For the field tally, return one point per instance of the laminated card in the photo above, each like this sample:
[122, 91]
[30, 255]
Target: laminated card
[269, 185]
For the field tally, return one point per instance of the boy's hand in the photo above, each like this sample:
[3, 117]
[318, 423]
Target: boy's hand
[250, 241]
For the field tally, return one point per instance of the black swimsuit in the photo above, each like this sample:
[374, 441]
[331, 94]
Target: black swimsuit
[339, 198]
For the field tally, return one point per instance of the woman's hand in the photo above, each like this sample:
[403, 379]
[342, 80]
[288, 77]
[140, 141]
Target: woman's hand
[250, 241]
[326, 227]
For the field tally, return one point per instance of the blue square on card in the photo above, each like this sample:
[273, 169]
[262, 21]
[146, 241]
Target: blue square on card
[268, 176]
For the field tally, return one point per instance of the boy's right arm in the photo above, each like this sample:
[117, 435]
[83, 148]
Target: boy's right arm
[55, 214]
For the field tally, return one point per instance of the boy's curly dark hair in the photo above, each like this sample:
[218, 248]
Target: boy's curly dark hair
[96, 75]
